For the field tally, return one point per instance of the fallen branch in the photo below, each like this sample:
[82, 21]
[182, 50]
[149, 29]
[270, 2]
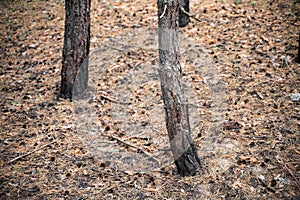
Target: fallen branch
[133, 146]
[189, 14]
[27, 154]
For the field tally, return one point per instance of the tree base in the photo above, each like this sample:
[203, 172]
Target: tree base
[189, 162]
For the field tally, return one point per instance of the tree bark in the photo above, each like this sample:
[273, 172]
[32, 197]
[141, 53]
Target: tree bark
[176, 109]
[298, 57]
[74, 74]
[183, 18]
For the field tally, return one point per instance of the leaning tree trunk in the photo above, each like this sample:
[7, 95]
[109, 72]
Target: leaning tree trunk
[177, 118]
[74, 74]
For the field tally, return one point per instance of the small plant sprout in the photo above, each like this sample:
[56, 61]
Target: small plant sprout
[252, 3]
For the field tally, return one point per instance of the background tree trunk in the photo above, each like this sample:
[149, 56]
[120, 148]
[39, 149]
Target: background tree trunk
[183, 18]
[176, 109]
[298, 57]
[74, 74]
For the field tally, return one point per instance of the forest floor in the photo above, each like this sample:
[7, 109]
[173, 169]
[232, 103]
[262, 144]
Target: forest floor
[239, 73]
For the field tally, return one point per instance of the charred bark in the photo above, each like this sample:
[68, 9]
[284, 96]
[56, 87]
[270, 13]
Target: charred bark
[176, 109]
[298, 57]
[74, 74]
[183, 18]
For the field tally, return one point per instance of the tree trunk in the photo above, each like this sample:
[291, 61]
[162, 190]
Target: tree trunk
[74, 74]
[298, 57]
[183, 18]
[177, 119]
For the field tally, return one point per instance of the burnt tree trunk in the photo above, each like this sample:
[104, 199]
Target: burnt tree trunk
[74, 74]
[298, 57]
[183, 18]
[176, 109]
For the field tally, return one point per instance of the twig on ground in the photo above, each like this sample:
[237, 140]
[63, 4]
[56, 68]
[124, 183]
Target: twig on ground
[133, 146]
[107, 188]
[134, 136]
[103, 95]
[280, 161]
[266, 185]
[162, 167]
[110, 187]
[23, 124]
[116, 48]
[138, 64]
[189, 14]
[27, 154]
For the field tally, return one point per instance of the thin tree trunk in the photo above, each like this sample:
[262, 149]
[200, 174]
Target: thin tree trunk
[177, 119]
[298, 57]
[74, 74]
